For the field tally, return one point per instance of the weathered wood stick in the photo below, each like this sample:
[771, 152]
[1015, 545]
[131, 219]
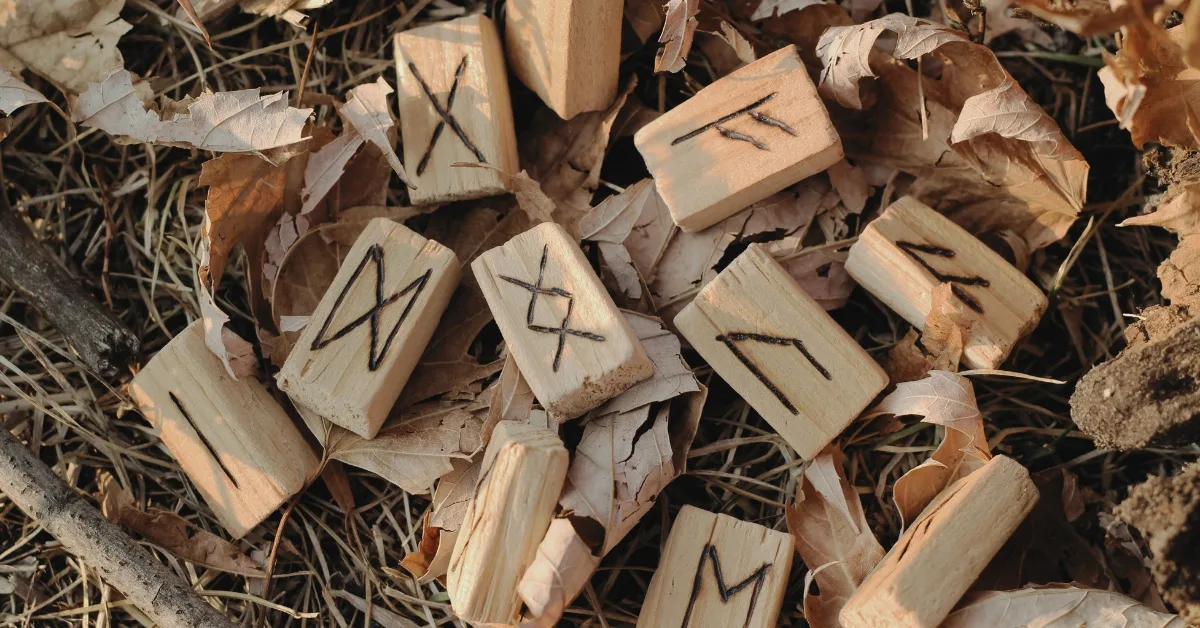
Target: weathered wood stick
[83, 531]
[101, 339]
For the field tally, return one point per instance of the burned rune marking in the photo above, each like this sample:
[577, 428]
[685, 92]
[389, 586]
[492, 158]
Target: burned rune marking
[956, 281]
[758, 578]
[447, 118]
[731, 341]
[750, 110]
[373, 315]
[203, 439]
[564, 328]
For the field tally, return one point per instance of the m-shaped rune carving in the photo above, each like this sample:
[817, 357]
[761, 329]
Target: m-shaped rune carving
[956, 281]
[750, 110]
[731, 340]
[373, 315]
[187, 416]
[758, 578]
[564, 328]
[447, 118]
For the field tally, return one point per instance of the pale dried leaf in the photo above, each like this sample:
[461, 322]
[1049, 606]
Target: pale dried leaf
[563, 564]
[958, 455]
[379, 615]
[238, 122]
[611, 224]
[768, 8]
[69, 42]
[1149, 87]
[741, 47]
[15, 94]
[1009, 112]
[530, 197]
[821, 274]
[1180, 215]
[367, 111]
[325, 168]
[824, 474]
[679, 28]
[645, 17]
[672, 376]
[943, 398]
[1056, 606]
[850, 182]
[245, 198]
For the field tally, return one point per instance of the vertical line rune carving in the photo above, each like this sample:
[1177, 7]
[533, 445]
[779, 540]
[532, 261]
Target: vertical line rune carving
[203, 439]
[731, 340]
[956, 281]
[758, 578]
[564, 329]
[373, 315]
[750, 110]
[447, 118]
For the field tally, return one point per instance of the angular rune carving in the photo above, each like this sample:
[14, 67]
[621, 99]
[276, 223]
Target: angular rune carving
[447, 118]
[956, 281]
[564, 329]
[374, 254]
[757, 579]
[750, 110]
[730, 341]
[203, 439]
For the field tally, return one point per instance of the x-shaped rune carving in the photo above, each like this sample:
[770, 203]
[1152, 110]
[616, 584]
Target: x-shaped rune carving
[564, 328]
[447, 117]
[373, 315]
[731, 340]
[750, 110]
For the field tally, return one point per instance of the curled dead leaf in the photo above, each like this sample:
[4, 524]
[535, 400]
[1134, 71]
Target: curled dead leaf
[1056, 606]
[679, 28]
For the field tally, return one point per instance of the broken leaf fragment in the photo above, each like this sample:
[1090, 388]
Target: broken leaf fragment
[69, 42]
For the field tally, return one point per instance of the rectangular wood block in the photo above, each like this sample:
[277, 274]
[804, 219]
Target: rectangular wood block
[780, 351]
[903, 255]
[454, 107]
[362, 342]
[566, 51]
[571, 343]
[238, 446]
[709, 557]
[524, 468]
[739, 140]
[941, 554]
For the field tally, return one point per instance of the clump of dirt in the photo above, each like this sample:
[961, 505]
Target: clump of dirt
[1156, 323]
[1149, 394]
[1167, 512]
[1171, 166]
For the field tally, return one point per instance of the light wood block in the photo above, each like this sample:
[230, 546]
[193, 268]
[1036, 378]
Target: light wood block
[366, 335]
[718, 572]
[903, 255]
[779, 350]
[524, 468]
[573, 346]
[941, 554]
[567, 51]
[454, 107]
[238, 446]
[741, 139]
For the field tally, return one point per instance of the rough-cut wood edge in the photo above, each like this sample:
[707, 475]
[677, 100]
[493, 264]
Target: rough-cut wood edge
[83, 531]
[97, 335]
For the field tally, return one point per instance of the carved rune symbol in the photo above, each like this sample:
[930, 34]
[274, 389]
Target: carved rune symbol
[730, 341]
[564, 328]
[757, 579]
[373, 315]
[956, 281]
[187, 416]
[447, 117]
[750, 110]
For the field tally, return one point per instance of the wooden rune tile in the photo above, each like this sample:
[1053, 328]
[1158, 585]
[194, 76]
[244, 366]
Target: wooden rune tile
[571, 343]
[780, 351]
[942, 553]
[238, 446]
[903, 255]
[365, 337]
[454, 107]
[739, 140]
[718, 572]
[567, 51]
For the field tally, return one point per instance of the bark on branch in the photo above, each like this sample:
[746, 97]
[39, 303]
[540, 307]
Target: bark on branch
[81, 529]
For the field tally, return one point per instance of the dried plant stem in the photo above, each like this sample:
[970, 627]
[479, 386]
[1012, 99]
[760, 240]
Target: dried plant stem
[124, 564]
[100, 338]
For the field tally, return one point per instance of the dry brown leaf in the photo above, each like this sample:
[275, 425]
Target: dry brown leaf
[679, 28]
[610, 224]
[325, 168]
[906, 362]
[1056, 606]
[509, 398]
[983, 151]
[237, 122]
[367, 112]
[528, 192]
[173, 533]
[15, 94]
[69, 42]
[1082, 17]
[821, 273]
[832, 537]
[645, 17]
[1148, 86]
[1180, 215]
[1000, 23]
[943, 398]
[741, 48]
[769, 8]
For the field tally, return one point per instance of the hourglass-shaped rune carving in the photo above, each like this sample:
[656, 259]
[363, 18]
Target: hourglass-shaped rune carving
[447, 118]
[731, 340]
[956, 281]
[564, 328]
[753, 113]
[757, 579]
